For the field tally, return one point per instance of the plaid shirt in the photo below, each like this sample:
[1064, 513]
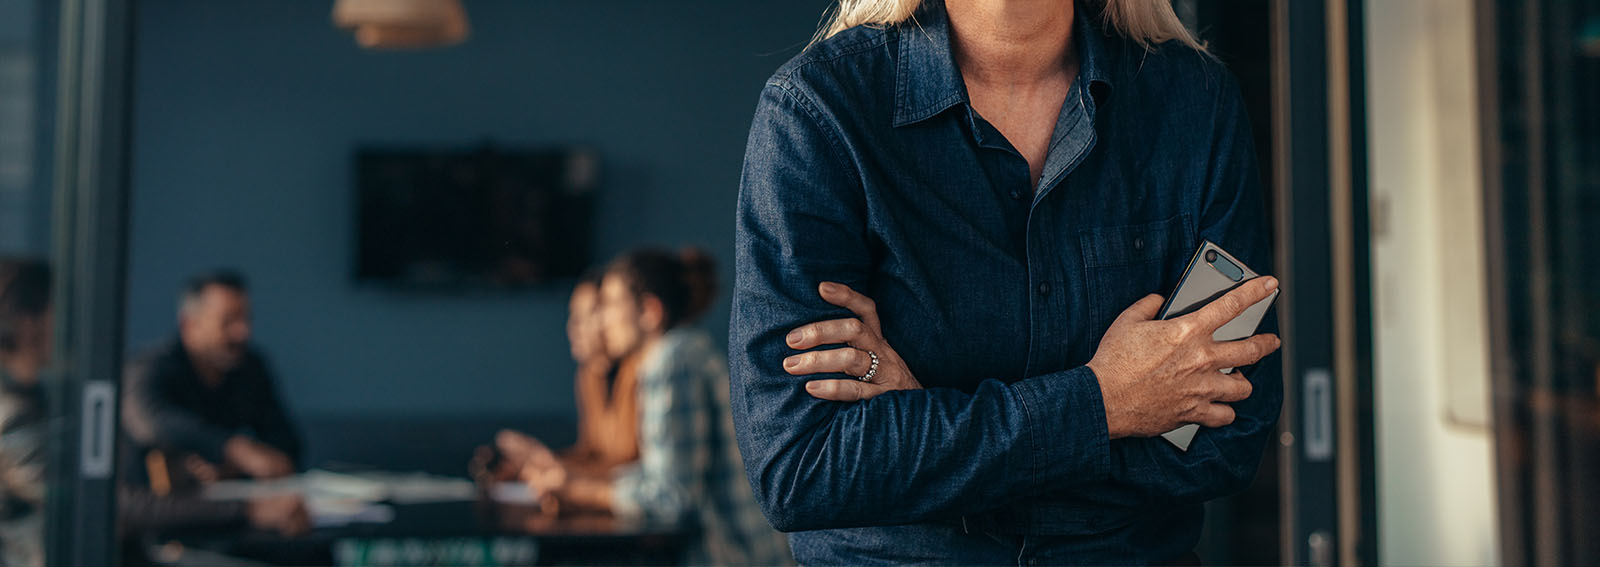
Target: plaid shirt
[689, 465]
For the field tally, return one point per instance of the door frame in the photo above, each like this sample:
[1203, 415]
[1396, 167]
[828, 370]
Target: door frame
[94, 64]
[1329, 504]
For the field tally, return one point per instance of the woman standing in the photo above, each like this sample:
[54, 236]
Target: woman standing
[1006, 183]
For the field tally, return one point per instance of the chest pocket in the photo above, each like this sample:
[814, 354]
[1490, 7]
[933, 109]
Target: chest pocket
[1125, 263]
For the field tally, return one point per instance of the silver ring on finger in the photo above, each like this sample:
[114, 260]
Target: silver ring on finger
[872, 371]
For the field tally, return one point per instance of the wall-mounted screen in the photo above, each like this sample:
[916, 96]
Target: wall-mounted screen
[472, 218]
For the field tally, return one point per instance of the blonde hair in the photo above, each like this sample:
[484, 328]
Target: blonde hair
[1147, 22]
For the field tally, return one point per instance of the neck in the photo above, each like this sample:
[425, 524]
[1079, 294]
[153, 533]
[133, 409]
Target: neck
[1012, 41]
[209, 374]
[647, 343]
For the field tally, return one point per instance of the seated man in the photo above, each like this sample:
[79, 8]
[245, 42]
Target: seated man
[206, 398]
[26, 333]
[25, 347]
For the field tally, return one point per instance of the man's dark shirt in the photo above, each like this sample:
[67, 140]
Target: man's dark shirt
[168, 407]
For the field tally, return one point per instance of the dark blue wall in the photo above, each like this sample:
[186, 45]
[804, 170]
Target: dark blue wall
[246, 113]
[27, 125]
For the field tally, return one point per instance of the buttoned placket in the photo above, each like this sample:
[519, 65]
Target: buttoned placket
[1073, 138]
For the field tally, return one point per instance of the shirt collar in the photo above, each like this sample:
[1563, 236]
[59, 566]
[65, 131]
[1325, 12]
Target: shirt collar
[928, 82]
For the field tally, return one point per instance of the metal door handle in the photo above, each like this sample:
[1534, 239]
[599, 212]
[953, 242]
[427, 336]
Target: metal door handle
[99, 429]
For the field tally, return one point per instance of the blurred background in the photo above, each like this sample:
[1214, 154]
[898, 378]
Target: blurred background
[399, 213]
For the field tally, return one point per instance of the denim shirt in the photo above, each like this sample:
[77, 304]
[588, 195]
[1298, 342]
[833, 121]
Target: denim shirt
[867, 165]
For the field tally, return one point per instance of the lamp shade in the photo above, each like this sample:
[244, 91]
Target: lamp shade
[402, 24]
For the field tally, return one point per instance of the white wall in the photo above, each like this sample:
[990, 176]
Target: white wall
[1435, 461]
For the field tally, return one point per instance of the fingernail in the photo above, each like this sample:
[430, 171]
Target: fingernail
[790, 363]
[794, 337]
[826, 287]
[1272, 283]
[815, 387]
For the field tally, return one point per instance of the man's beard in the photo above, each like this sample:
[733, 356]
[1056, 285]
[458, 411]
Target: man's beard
[227, 358]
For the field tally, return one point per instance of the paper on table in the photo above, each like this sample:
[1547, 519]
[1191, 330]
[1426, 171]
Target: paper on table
[333, 512]
[419, 488]
[404, 488]
[321, 483]
[514, 493]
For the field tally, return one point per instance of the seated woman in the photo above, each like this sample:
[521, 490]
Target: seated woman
[607, 396]
[689, 466]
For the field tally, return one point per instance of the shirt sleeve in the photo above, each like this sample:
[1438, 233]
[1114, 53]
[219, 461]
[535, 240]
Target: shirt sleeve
[271, 424]
[140, 510]
[152, 419]
[1221, 461]
[900, 457]
[674, 424]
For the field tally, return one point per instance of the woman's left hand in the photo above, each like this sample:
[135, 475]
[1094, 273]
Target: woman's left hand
[862, 335]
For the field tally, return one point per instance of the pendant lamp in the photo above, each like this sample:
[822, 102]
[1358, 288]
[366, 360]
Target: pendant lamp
[402, 24]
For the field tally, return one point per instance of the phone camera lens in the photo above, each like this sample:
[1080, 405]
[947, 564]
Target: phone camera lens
[1211, 255]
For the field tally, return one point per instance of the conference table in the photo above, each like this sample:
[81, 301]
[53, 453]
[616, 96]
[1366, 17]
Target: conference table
[477, 531]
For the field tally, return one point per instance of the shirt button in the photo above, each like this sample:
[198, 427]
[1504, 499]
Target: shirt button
[1016, 195]
[1138, 244]
[1044, 288]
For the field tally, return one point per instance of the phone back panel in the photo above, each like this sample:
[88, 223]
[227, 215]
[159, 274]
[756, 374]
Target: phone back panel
[1202, 283]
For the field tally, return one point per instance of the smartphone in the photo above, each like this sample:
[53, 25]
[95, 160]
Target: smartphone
[1211, 273]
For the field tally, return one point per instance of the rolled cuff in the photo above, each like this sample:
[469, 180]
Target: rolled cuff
[1066, 425]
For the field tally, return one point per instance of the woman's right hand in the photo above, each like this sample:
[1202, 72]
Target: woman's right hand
[1158, 375]
[537, 465]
